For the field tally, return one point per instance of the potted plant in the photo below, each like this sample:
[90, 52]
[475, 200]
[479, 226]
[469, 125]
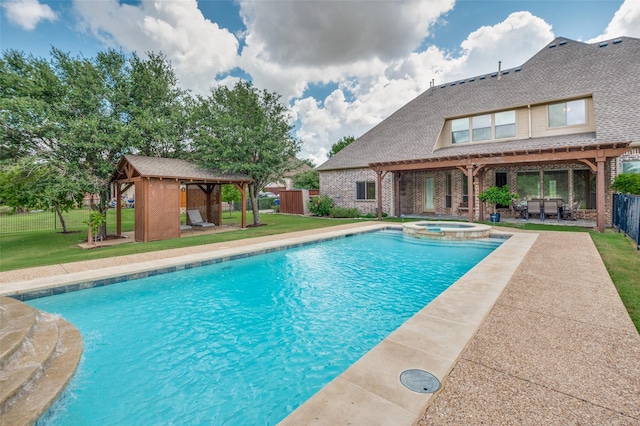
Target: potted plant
[495, 195]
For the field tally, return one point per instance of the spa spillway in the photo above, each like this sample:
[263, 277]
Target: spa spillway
[447, 230]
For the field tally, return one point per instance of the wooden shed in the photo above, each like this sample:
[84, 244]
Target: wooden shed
[158, 186]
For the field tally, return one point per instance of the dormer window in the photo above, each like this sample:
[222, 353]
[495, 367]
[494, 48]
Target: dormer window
[460, 130]
[486, 127]
[505, 124]
[481, 125]
[568, 113]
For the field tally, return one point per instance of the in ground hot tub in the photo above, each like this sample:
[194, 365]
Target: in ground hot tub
[447, 230]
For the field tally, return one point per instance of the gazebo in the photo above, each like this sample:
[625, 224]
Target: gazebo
[158, 184]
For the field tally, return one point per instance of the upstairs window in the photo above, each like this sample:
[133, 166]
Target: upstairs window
[505, 126]
[568, 113]
[481, 125]
[460, 130]
[486, 127]
[365, 190]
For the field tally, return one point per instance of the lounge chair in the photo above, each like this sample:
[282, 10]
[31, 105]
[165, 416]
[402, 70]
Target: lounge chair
[196, 220]
[186, 228]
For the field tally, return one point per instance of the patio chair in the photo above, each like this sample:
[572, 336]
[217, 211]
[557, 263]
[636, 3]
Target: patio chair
[196, 220]
[534, 207]
[551, 208]
[186, 228]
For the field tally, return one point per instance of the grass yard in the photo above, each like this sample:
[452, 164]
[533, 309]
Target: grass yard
[39, 248]
[47, 247]
[623, 264]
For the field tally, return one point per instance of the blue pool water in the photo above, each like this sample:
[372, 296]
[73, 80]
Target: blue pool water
[249, 340]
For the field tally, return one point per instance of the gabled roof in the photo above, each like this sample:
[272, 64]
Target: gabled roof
[608, 71]
[137, 166]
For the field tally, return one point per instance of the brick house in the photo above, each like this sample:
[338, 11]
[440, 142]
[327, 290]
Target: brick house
[561, 125]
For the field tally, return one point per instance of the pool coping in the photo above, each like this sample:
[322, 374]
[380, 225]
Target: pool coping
[369, 391]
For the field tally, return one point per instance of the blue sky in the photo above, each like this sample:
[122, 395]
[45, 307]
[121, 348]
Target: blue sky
[342, 65]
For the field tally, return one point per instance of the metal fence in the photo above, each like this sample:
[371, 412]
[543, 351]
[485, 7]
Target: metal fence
[626, 216]
[38, 220]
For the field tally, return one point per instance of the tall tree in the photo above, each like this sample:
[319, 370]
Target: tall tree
[340, 145]
[308, 179]
[157, 118]
[245, 130]
[79, 116]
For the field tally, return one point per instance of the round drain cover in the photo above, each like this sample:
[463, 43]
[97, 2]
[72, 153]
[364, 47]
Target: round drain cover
[419, 381]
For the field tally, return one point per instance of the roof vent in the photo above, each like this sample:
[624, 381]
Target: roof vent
[518, 69]
[495, 74]
[552, 45]
[562, 43]
[461, 82]
[603, 44]
[472, 80]
[453, 84]
[617, 41]
[443, 86]
[505, 72]
[482, 77]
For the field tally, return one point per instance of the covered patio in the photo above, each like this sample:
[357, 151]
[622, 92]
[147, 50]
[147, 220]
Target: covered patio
[475, 166]
[158, 184]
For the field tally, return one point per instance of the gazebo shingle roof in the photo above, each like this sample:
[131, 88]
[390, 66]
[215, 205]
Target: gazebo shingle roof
[563, 69]
[172, 168]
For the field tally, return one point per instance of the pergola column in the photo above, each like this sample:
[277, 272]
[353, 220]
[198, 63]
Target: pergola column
[600, 202]
[379, 189]
[470, 194]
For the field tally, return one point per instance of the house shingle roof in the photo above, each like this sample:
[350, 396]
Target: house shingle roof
[563, 69]
[171, 168]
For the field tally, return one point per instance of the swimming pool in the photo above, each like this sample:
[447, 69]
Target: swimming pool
[248, 340]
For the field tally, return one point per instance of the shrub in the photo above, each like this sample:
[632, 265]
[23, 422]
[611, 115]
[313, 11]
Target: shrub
[373, 215]
[320, 205]
[627, 183]
[343, 212]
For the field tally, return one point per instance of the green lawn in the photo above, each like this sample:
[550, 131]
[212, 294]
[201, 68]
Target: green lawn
[46, 247]
[623, 263]
[39, 248]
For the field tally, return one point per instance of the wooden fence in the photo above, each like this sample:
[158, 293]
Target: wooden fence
[294, 201]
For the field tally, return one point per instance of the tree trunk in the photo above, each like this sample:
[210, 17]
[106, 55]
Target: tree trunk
[62, 222]
[253, 195]
[103, 206]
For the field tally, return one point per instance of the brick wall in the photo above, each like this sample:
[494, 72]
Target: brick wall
[340, 185]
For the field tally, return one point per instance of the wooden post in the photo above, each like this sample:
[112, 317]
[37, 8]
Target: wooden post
[379, 190]
[118, 209]
[600, 202]
[244, 205]
[470, 194]
[480, 189]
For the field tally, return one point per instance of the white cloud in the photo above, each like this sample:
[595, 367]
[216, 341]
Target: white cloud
[626, 22]
[197, 48]
[378, 94]
[27, 13]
